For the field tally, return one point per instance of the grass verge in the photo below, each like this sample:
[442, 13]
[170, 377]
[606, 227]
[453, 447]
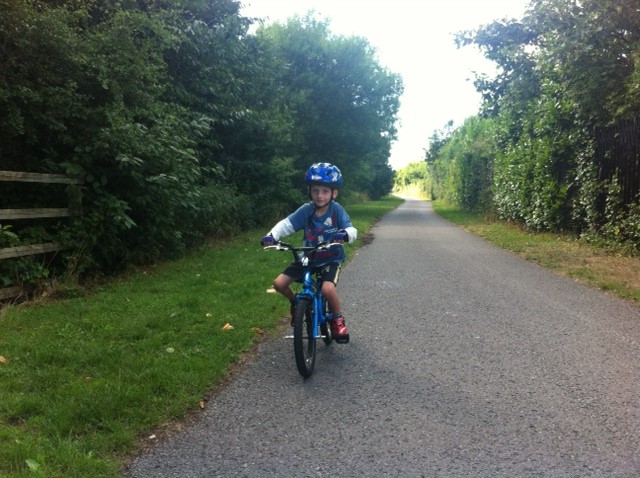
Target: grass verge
[607, 269]
[83, 379]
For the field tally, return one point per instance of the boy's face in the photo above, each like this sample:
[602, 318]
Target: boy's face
[322, 195]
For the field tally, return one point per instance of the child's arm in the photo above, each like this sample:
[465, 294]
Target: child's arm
[283, 228]
[345, 224]
[291, 223]
[352, 232]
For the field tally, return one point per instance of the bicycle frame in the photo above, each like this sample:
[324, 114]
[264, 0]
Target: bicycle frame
[311, 290]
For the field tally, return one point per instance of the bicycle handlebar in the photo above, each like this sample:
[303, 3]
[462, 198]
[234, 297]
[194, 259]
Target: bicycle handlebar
[283, 246]
[307, 251]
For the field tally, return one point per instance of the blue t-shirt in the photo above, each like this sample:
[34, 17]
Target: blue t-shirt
[320, 228]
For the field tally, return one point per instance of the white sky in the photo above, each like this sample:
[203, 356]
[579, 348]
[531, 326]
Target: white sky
[415, 39]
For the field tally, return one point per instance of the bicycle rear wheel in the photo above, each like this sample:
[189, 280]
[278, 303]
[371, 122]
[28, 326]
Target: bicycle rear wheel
[304, 341]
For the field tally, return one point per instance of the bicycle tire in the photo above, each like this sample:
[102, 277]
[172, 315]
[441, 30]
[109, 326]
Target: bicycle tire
[325, 330]
[304, 341]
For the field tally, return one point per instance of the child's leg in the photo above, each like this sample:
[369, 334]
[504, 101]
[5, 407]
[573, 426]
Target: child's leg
[330, 275]
[282, 284]
[329, 292]
[339, 329]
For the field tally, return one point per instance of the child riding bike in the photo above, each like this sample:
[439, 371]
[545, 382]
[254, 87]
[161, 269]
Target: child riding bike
[323, 220]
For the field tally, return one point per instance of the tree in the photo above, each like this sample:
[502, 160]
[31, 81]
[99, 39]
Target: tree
[344, 104]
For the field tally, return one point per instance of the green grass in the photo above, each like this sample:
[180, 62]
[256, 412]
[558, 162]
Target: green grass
[83, 379]
[601, 267]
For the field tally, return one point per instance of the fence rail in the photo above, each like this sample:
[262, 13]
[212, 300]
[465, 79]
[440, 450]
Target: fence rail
[37, 177]
[19, 251]
[618, 156]
[35, 213]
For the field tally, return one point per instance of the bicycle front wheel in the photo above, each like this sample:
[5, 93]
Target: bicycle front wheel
[304, 341]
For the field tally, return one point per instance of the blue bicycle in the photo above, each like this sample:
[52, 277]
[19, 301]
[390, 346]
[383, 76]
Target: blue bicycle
[312, 315]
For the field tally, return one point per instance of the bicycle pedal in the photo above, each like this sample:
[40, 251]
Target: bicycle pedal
[341, 339]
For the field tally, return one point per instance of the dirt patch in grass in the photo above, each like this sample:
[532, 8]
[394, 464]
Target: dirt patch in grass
[620, 274]
[589, 265]
[366, 238]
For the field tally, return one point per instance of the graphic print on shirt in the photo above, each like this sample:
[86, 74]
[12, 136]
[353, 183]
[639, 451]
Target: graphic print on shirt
[317, 232]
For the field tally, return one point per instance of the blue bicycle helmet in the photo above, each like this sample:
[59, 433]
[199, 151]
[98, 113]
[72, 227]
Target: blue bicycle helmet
[325, 174]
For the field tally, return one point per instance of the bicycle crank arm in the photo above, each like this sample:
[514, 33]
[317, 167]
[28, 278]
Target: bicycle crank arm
[305, 337]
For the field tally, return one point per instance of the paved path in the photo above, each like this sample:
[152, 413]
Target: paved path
[464, 361]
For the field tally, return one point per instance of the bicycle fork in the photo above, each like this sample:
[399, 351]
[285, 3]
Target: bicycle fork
[311, 291]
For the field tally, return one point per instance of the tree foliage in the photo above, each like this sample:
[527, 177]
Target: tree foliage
[180, 122]
[460, 163]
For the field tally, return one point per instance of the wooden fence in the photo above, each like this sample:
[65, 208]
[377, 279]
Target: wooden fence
[618, 155]
[33, 213]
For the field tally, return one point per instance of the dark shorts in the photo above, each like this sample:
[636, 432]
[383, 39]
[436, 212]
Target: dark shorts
[328, 272]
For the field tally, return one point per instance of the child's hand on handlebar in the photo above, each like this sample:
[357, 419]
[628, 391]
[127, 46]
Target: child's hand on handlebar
[340, 236]
[268, 240]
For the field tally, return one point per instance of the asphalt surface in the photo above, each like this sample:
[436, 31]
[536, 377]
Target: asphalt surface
[464, 360]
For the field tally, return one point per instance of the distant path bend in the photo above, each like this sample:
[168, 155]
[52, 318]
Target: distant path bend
[465, 360]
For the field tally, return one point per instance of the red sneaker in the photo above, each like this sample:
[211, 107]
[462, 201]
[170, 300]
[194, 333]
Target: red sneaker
[339, 330]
